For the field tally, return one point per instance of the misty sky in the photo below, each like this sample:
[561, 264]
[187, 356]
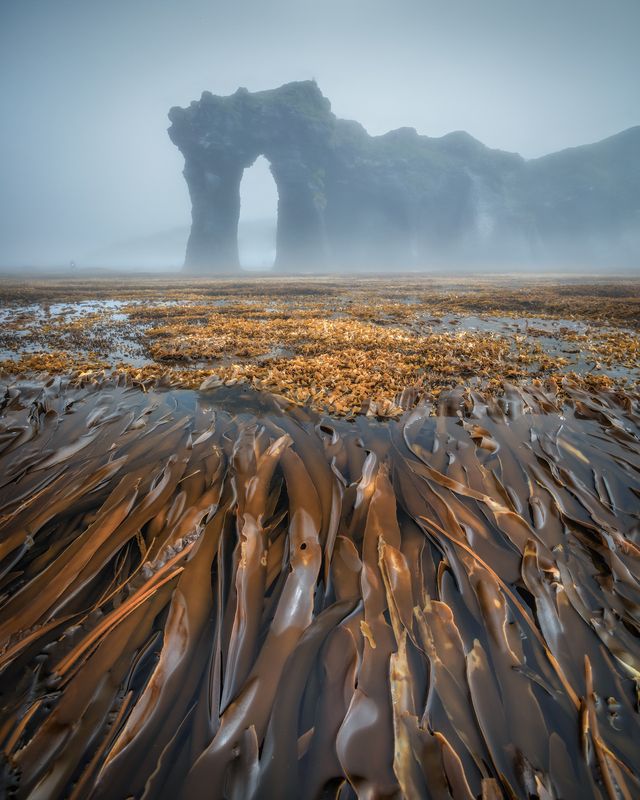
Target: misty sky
[85, 160]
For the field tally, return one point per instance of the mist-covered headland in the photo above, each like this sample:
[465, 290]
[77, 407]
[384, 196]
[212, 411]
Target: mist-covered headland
[351, 201]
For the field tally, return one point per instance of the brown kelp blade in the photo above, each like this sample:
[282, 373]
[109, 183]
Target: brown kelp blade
[216, 595]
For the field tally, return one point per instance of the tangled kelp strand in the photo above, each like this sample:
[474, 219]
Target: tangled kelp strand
[218, 594]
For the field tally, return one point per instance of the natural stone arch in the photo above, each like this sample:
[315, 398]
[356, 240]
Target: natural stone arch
[395, 201]
[222, 136]
[344, 198]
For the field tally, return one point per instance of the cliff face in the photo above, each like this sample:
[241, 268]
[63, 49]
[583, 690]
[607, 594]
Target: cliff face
[401, 200]
[585, 201]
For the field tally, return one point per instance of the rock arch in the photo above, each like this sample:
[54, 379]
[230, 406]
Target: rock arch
[220, 137]
[354, 201]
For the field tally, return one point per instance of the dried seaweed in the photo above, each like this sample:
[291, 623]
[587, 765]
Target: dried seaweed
[374, 347]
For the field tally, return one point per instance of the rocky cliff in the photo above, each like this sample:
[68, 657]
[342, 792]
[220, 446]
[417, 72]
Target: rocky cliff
[348, 200]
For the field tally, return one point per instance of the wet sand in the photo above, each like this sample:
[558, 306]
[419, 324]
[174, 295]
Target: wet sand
[222, 594]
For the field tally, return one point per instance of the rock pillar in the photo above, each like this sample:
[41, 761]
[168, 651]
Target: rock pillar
[215, 211]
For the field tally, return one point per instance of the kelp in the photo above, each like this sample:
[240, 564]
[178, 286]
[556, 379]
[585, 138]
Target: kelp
[219, 594]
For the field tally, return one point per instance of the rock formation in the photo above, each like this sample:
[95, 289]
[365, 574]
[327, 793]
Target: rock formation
[348, 200]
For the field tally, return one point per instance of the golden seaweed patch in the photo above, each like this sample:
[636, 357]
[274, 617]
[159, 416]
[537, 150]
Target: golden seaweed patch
[346, 346]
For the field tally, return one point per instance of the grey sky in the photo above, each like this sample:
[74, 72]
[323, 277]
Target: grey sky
[86, 85]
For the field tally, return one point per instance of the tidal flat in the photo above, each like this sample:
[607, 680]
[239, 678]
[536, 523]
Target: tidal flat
[342, 345]
[314, 538]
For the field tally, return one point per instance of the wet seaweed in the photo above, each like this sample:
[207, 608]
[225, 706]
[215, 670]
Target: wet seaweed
[222, 594]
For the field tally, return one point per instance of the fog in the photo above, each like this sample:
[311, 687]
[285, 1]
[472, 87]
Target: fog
[88, 173]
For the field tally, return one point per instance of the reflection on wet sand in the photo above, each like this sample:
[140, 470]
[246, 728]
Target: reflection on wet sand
[220, 594]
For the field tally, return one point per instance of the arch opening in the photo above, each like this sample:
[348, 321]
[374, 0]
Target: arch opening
[258, 217]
